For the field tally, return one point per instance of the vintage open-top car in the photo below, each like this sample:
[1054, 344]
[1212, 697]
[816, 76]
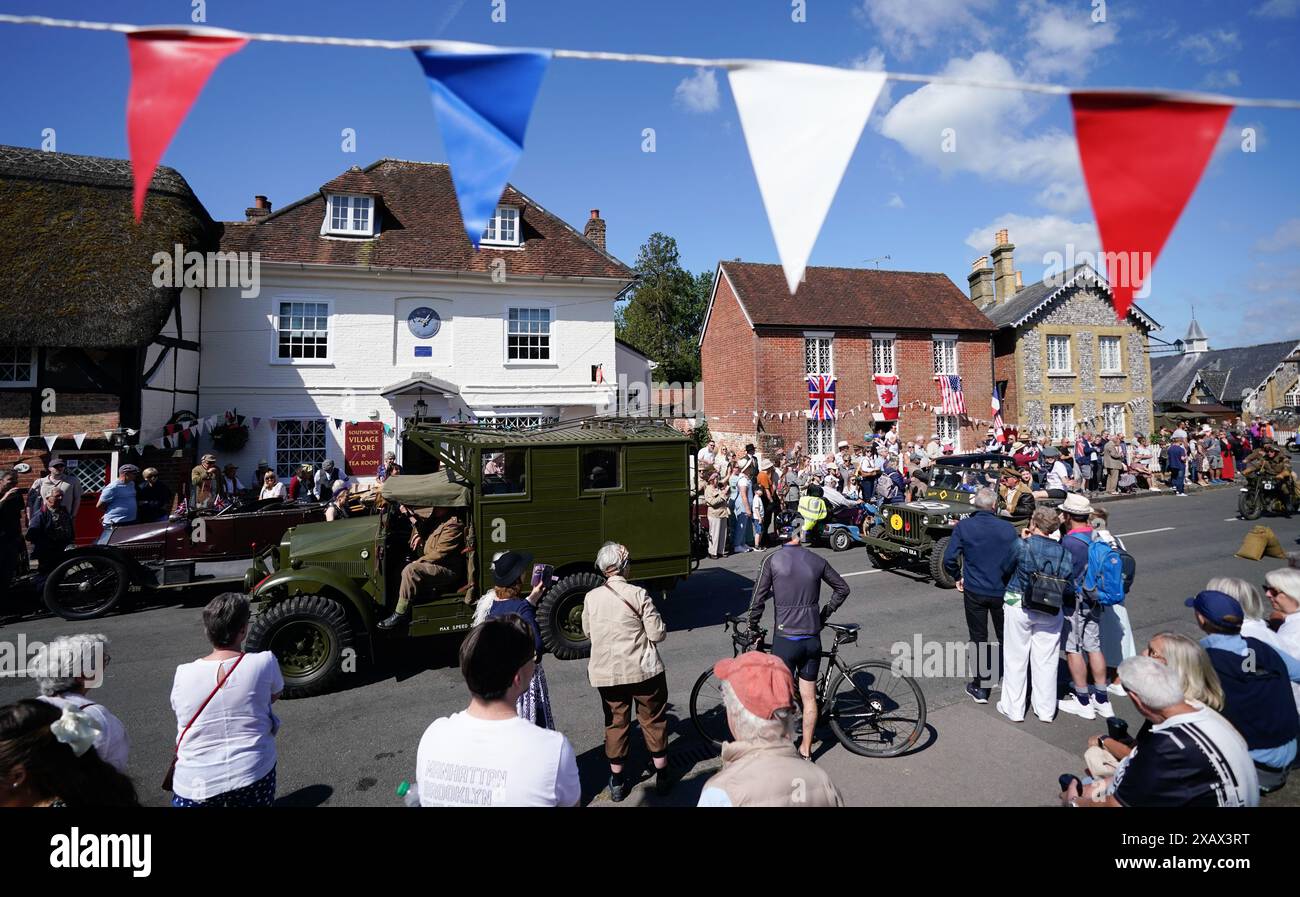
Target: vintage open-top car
[917, 532]
[557, 491]
[199, 545]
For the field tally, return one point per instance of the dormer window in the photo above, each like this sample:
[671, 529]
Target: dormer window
[503, 227]
[352, 216]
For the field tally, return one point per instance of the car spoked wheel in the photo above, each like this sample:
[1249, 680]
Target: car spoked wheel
[308, 635]
[86, 587]
[559, 616]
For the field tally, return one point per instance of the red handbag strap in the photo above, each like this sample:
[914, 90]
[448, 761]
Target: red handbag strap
[220, 682]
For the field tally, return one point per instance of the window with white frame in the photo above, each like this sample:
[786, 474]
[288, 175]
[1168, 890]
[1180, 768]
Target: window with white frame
[528, 334]
[817, 358]
[882, 356]
[503, 227]
[1111, 357]
[948, 426]
[1062, 422]
[516, 421]
[298, 442]
[17, 366]
[945, 355]
[302, 331]
[1113, 418]
[352, 215]
[1058, 354]
[821, 437]
[1293, 397]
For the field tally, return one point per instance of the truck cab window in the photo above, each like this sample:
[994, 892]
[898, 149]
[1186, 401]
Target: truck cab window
[503, 472]
[600, 468]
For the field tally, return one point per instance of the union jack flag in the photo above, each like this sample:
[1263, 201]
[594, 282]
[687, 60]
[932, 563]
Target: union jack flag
[950, 390]
[821, 397]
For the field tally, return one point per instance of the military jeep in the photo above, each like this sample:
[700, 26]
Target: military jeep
[558, 491]
[917, 532]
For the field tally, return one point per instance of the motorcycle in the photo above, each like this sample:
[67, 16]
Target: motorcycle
[1292, 446]
[1263, 493]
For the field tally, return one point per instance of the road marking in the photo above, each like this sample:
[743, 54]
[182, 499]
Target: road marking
[1143, 532]
[1231, 519]
[860, 573]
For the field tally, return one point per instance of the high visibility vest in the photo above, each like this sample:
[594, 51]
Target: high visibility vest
[812, 508]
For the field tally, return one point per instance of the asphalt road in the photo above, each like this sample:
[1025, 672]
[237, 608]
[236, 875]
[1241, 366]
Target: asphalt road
[354, 746]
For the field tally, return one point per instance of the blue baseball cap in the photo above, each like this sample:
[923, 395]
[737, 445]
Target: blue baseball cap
[1219, 608]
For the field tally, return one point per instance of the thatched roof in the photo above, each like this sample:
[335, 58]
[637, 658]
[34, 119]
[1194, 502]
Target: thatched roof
[78, 269]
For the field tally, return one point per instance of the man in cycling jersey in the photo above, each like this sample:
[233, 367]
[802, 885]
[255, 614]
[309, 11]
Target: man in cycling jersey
[792, 576]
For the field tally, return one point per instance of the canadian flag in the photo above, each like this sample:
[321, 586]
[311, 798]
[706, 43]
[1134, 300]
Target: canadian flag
[887, 394]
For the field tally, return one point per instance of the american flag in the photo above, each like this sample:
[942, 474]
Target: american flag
[999, 432]
[950, 389]
[821, 397]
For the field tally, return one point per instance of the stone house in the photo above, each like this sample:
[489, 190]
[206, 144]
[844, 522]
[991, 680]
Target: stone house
[759, 344]
[1064, 362]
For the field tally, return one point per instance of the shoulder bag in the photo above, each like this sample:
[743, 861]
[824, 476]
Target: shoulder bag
[171, 769]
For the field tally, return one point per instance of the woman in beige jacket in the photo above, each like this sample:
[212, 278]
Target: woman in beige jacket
[715, 497]
[625, 630]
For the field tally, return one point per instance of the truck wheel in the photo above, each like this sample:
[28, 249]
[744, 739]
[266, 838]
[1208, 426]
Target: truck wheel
[840, 540]
[559, 616]
[937, 573]
[881, 560]
[308, 635]
[86, 587]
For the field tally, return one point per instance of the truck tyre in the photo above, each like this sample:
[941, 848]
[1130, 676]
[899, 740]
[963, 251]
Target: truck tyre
[881, 560]
[308, 635]
[559, 616]
[86, 587]
[937, 573]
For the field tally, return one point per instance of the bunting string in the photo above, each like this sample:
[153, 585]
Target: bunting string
[446, 46]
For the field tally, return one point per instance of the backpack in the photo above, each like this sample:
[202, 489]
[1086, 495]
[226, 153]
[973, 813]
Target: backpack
[1105, 580]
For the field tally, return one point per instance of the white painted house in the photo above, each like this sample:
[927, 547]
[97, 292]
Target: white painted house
[374, 306]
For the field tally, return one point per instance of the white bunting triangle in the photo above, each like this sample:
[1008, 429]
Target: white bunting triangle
[50, 440]
[801, 123]
[78, 438]
[21, 442]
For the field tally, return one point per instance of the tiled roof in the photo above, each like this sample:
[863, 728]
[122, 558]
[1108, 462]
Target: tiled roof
[354, 180]
[853, 297]
[1032, 298]
[420, 227]
[1229, 370]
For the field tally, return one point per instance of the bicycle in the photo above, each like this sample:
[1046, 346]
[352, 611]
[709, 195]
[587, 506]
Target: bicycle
[873, 711]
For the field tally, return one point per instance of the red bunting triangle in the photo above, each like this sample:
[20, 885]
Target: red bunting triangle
[168, 69]
[1142, 158]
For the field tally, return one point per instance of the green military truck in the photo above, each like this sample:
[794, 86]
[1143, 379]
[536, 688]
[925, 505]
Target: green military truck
[917, 532]
[558, 491]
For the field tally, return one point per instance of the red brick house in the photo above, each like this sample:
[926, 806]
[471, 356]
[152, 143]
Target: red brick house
[759, 344]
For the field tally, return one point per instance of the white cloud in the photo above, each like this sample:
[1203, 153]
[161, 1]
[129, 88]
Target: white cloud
[1209, 47]
[1219, 80]
[1287, 236]
[1063, 198]
[987, 126]
[698, 92]
[1036, 238]
[1063, 40]
[895, 201]
[1231, 139]
[1277, 9]
[909, 25]
[874, 61]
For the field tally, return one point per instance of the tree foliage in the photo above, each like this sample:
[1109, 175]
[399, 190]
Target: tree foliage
[664, 315]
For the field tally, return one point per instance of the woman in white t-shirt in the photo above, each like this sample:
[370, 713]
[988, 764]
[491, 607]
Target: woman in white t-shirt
[271, 487]
[1057, 479]
[225, 727]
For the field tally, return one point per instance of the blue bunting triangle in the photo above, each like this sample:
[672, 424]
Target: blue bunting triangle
[482, 100]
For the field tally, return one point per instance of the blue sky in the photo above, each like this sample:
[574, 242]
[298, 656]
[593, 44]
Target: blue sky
[270, 121]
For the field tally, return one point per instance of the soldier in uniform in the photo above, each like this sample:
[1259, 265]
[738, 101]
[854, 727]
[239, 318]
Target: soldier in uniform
[1017, 495]
[442, 563]
[1268, 460]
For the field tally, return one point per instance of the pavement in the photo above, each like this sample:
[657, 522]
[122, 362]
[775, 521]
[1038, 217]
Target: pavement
[354, 746]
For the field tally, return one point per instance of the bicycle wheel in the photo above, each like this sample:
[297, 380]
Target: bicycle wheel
[707, 710]
[875, 712]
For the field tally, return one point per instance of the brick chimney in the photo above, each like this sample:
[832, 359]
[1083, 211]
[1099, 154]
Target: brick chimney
[260, 209]
[1004, 269]
[595, 229]
[981, 282]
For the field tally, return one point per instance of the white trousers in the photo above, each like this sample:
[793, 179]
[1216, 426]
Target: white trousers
[1117, 635]
[1031, 643]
